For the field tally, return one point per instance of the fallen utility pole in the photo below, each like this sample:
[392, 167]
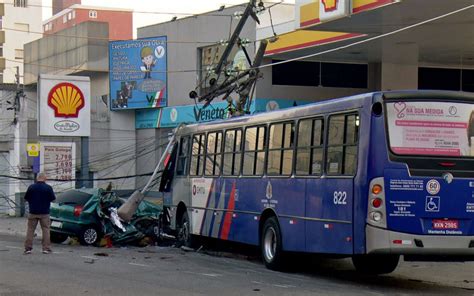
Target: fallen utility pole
[242, 81]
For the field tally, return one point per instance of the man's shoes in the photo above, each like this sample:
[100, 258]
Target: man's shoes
[26, 252]
[47, 251]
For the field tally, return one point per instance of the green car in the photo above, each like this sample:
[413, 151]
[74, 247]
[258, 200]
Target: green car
[87, 214]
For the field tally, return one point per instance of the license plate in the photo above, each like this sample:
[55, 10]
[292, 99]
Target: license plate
[56, 224]
[445, 224]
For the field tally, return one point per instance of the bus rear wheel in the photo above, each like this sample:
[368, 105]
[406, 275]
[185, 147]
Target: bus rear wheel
[375, 264]
[271, 245]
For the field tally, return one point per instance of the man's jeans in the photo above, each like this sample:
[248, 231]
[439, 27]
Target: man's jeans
[45, 225]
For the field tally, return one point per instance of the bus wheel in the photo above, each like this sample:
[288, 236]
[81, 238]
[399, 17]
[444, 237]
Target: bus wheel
[375, 264]
[271, 245]
[184, 231]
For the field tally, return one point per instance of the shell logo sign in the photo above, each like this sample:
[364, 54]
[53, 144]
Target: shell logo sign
[66, 100]
[330, 5]
[64, 106]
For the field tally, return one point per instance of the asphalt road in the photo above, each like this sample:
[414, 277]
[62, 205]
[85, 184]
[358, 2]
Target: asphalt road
[78, 270]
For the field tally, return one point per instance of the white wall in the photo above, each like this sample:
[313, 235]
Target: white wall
[15, 39]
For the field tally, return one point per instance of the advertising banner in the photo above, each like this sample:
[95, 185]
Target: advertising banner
[138, 73]
[431, 128]
[58, 161]
[64, 106]
[173, 116]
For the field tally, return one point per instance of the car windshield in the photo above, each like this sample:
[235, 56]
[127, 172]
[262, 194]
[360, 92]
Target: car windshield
[73, 197]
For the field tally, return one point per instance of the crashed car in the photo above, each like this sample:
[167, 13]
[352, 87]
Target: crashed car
[91, 214]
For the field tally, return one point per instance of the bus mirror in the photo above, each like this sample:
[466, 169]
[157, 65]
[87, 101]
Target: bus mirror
[377, 109]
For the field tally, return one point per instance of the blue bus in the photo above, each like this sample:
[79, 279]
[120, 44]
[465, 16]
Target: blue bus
[371, 177]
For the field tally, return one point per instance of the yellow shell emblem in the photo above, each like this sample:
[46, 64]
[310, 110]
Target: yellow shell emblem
[330, 5]
[66, 100]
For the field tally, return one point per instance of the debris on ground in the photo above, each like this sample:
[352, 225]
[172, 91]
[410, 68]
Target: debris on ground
[101, 254]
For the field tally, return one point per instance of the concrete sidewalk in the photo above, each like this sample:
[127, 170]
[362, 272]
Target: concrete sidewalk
[15, 226]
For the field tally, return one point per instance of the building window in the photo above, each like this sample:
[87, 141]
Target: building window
[296, 73]
[232, 152]
[309, 148]
[73, 14]
[343, 133]
[213, 154]
[183, 156]
[92, 14]
[69, 16]
[197, 158]
[1, 22]
[280, 149]
[1, 52]
[254, 151]
[446, 79]
[341, 75]
[20, 3]
[344, 75]
[64, 18]
[18, 54]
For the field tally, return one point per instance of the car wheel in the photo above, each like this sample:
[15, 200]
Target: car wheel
[57, 238]
[89, 236]
[271, 245]
[185, 237]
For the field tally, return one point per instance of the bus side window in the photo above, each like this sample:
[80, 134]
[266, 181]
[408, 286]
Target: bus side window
[183, 156]
[342, 144]
[280, 149]
[309, 153]
[213, 154]
[254, 151]
[232, 153]
[197, 157]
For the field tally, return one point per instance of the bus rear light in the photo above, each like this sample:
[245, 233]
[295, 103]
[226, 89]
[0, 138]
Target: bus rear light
[377, 189]
[401, 242]
[376, 216]
[377, 202]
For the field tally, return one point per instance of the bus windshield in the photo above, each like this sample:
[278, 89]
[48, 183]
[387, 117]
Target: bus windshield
[431, 128]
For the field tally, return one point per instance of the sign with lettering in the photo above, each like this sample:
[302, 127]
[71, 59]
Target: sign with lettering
[58, 161]
[64, 106]
[138, 73]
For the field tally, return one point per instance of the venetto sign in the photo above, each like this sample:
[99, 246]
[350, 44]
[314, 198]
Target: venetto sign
[64, 106]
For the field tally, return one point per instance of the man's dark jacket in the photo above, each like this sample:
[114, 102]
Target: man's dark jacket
[39, 196]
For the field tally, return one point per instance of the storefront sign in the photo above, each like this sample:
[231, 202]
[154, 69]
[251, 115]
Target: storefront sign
[138, 73]
[64, 106]
[173, 116]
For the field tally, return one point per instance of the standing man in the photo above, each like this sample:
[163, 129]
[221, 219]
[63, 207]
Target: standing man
[39, 197]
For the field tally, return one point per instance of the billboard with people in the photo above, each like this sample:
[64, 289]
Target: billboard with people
[138, 73]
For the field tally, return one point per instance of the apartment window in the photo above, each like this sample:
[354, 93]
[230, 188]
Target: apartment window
[183, 156]
[1, 51]
[64, 18]
[1, 22]
[280, 149]
[309, 148]
[213, 154]
[92, 14]
[20, 3]
[18, 54]
[69, 16]
[254, 151]
[343, 133]
[73, 14]
[232, 152]
[197, 157]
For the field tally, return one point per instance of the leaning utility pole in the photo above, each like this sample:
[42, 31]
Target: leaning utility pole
[236, 80]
